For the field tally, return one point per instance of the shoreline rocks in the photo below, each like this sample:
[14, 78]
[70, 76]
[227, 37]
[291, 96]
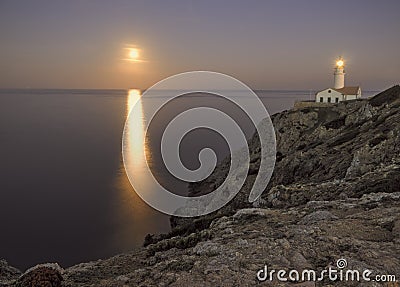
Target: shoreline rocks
[334, 194]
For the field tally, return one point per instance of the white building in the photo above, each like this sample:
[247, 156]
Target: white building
[339, 92]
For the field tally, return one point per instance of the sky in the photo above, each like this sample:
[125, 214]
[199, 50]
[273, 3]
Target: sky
[284, 44]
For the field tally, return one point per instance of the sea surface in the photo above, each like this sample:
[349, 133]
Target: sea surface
[64, 194]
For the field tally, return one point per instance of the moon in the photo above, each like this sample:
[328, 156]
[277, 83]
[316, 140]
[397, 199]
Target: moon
[133, 54]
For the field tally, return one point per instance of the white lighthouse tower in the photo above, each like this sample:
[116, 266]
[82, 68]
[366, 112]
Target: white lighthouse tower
[338, 81]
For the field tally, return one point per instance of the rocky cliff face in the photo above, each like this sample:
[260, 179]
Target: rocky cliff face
[7, 273]
[323, 144]
[335, 193]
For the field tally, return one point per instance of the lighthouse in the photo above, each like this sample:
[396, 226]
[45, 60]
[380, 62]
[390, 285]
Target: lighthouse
[338, 80]
[339, 92]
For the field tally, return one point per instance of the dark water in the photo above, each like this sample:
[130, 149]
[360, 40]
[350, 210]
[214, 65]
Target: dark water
[64, 195]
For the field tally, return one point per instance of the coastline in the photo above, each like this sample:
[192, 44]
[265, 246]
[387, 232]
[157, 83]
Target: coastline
[334, 194]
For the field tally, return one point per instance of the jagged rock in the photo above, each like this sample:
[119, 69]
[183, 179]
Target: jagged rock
[7, 273]
[310, 236]
[250, 212]
[44, 275]
[207, 248]
[386, 97]
[317, 216]
[335, 194]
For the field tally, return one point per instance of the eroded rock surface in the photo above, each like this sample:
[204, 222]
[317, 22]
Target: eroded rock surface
[7, 273]
[335, 194]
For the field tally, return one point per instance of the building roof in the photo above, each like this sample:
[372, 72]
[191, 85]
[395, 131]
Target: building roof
[348, 90]
[344, 90]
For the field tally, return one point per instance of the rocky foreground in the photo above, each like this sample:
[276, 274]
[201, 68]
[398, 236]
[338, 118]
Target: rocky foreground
[335, 194]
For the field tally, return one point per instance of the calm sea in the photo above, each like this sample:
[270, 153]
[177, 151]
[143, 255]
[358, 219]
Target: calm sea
[64, 195]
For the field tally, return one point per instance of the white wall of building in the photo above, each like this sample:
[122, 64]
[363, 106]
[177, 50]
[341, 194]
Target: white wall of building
[329, 96]
[332, 96]
[351, 97]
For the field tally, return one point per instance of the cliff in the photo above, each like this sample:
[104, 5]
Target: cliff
[335, 193]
